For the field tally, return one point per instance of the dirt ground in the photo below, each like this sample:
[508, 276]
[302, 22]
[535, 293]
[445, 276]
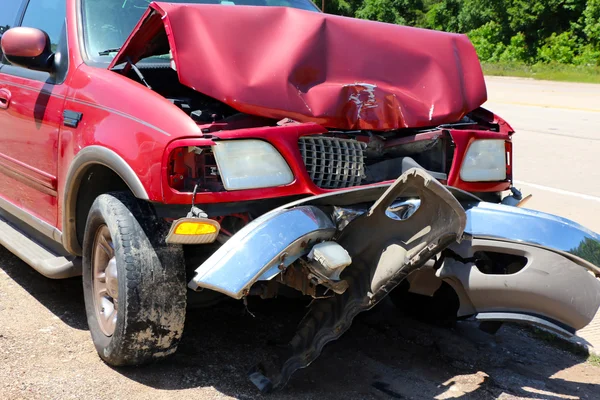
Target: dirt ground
[46, 353]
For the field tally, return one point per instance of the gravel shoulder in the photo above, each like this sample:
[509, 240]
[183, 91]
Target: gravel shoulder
[46, 353]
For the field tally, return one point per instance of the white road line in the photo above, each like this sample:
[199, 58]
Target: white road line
[559, 191]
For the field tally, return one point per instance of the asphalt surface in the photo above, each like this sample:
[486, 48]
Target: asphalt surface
[556, 145]
[46, 351]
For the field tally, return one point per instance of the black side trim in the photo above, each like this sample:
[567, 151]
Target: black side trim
[71, 118]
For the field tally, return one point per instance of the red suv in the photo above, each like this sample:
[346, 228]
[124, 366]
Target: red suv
[237, 147]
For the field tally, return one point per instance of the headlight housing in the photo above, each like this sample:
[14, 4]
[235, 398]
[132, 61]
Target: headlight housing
[251, 164]
[485, 161]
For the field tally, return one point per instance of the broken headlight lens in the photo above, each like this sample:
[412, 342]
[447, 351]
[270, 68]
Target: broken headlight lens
[485, 161]
[251, 164]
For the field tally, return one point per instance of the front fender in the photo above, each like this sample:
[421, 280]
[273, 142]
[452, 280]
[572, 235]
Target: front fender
[89, 156]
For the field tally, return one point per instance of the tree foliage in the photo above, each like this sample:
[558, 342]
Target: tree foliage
[529, 31]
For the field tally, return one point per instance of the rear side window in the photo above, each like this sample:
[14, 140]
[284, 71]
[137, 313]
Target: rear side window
[8, 16]
[47, 15]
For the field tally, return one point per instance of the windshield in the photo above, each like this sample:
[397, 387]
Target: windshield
[108, 23]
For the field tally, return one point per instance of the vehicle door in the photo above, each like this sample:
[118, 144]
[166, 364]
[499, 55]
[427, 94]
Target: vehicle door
[31, 108]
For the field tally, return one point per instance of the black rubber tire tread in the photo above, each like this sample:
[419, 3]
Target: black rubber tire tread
[152, 284]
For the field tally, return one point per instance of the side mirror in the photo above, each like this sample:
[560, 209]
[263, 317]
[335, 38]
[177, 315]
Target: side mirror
[28, 48]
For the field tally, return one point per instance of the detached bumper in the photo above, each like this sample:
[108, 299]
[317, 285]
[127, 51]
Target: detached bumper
[557, 286]
[560, 235]
[388, 240]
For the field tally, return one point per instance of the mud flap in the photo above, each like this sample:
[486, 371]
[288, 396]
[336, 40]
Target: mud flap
[384, 251]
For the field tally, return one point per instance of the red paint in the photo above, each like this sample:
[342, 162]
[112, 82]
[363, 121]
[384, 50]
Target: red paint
[24, 42]
[419, 67]
[30, 127]
[339, 72]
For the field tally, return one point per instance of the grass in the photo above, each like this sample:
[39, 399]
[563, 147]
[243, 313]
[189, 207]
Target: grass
[551, 72]
[594, 360]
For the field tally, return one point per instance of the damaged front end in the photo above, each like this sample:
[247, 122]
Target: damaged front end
[350, 249]
[347, 271]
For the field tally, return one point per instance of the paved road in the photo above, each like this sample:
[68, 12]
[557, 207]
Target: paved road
[557, 144]
[556, 150]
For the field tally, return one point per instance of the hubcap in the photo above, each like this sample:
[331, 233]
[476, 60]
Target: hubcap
[105, 284]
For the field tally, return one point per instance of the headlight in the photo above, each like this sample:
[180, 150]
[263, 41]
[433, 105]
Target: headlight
[485, 161]
[251, 164]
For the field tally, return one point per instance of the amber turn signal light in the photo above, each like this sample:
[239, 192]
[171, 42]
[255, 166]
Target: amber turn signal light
[193, 231]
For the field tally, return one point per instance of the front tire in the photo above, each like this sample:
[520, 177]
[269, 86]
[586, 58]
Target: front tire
[134, 284]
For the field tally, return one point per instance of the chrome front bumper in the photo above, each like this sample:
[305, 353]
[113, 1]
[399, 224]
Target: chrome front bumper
[389, 239]
[512, 224]
[275, 240]
[262, 249]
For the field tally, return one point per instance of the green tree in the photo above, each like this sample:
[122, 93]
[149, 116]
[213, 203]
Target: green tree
[560, 48]
[404, 12]
[517, 50]
[591, 21]
[476, 13]
[588, 55]
[539, 19]
[443, 16]
[487, 40]
[341, 7]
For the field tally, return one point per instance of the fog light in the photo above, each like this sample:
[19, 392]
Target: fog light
[193, 231]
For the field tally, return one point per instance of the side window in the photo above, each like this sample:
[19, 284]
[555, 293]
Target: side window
[47, 15]
[8, 16]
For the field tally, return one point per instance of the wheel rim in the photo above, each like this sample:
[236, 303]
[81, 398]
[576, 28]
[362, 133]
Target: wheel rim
[105, 283]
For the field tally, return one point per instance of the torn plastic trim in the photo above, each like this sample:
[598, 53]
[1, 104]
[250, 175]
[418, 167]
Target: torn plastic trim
[384, 252]
[399, 210]
[513, 224]
[510, 224]
[262, 249]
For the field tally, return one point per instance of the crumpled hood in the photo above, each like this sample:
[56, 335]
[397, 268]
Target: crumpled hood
[342, 73]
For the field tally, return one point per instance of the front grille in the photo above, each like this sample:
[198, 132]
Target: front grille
[333, 163]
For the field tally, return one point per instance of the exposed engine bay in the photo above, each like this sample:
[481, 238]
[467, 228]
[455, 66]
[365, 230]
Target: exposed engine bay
[359, 157]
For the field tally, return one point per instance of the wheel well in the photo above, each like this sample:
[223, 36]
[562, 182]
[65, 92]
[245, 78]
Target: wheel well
[97, 179]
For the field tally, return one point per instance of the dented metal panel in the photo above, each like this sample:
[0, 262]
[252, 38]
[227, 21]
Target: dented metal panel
[340, 72]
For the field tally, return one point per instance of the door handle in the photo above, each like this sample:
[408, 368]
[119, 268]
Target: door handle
[4, 98]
